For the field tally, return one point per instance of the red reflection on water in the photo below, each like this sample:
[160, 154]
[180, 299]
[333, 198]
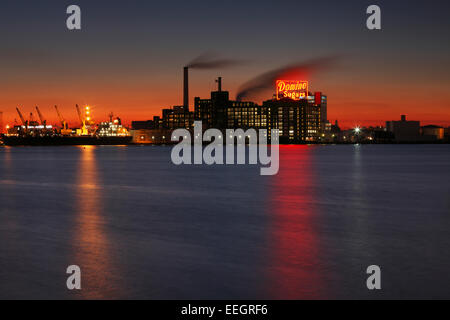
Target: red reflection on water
[294, 255]
[91, 243]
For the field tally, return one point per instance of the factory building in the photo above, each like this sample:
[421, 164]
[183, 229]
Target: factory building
[298, 115]
[246, 115]
[403, 130]
[143, 125]
[433, 132]
[177, 117]
[319, 99]
[297, 120]
[222, 113]
[150, 136]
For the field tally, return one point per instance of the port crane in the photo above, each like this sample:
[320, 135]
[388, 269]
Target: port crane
[83, 123]
[83, 131]
[61, 119]
[65, 127]
[21, 117]
[41, 117]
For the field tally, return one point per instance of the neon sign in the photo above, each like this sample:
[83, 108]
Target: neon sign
[292, 89]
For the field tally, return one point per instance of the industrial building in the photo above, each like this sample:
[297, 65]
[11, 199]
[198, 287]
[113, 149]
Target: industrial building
[177, 117]
[433, 132]
[222, 113]
[298, 120]
[150, 136]
[403, 130]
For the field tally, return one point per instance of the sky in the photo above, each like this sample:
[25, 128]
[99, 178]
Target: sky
[129, 55]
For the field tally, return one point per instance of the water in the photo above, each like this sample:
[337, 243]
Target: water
[140, 227]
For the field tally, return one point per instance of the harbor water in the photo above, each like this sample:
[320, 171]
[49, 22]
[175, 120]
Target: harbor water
[139, 226]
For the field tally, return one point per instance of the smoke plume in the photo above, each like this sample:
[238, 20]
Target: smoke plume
[210, 61]
[296, 71]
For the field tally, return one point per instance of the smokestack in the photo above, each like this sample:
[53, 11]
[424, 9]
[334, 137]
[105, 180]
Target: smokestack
[219, 84]
[186, 88]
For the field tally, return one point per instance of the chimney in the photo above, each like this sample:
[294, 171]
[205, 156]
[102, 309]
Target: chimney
[219, 84]
[186, 88]
[403, 117]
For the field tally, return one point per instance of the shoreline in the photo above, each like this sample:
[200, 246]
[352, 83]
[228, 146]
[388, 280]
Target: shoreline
[281, 144]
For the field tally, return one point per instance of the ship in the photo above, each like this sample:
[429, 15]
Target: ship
[34, 133]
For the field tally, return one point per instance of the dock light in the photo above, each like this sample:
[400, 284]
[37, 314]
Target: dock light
[7, 126]
[357, 130]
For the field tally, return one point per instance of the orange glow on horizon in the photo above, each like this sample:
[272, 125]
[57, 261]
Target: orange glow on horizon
[349, 102]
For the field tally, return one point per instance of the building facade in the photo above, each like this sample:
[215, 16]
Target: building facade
[403, 130]
[177, 117]
[433, 132]
[297, 120]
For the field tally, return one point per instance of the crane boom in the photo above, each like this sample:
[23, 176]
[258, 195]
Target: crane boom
[40, 116]
[64, 124]
[61, 118]
[83, 123]
[21, 116]
[83, 131]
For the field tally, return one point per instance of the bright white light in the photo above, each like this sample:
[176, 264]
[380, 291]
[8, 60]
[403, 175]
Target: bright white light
[357, 130]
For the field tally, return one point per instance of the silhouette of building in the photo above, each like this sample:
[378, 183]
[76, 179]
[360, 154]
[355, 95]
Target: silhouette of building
[151, 136]
[319, 99]
[297, 120]
[143, 125]
[222, 113]
[177, 117]
[403, 130]
[433, 132]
